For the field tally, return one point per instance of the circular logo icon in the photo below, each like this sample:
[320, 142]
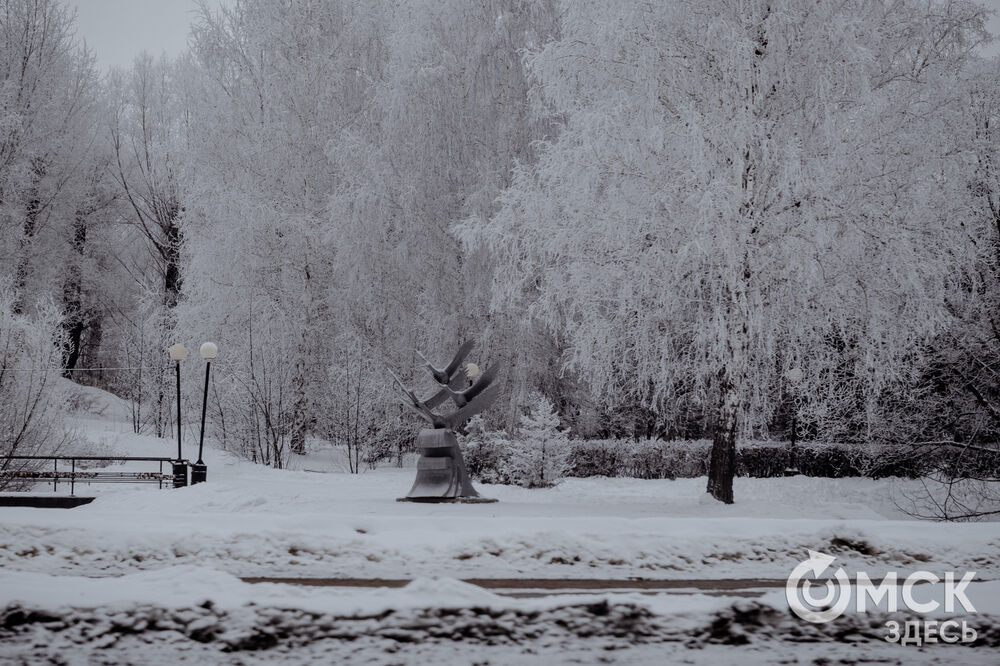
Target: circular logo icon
[800, 592]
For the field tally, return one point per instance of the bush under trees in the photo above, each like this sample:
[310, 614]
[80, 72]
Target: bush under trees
[537, 455]
[30, 397]
[488, 460]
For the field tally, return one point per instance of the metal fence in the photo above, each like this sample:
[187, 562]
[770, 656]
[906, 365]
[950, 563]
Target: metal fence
[72, 474]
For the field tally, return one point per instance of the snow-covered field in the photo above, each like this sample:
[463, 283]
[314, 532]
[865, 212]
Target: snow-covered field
[142, 573]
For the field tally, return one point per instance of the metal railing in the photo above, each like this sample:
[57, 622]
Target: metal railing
[74, 475]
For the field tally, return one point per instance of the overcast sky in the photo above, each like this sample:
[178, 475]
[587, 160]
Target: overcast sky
[118, 30]
[994, 24]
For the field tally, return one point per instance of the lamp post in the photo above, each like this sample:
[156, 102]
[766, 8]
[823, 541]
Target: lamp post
[794, 376]
[177, 354]
[199, 471]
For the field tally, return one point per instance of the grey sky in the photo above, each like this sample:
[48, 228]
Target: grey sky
[994, 25]
[118, 30]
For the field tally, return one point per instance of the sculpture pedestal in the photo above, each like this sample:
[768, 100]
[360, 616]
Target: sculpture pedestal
[441, 473]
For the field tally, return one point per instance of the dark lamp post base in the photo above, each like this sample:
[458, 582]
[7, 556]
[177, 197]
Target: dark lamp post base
[199, 473]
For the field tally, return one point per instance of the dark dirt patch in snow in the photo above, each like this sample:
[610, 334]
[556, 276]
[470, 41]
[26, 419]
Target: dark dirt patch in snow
[254, 628]
[841, 544]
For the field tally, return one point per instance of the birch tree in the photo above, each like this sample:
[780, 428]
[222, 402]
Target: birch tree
[284, 82]
[47, 127]
[740, 188]
[451, 114]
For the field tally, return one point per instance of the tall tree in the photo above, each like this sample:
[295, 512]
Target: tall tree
[740, 188]
[451, 114]
[284, 81]
[147, 136]
[48, 119]
[48, 89]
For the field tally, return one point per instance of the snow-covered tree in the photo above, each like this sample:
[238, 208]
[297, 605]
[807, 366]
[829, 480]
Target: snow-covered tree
[147, 131]
[48, 88]
[951, 414]
[30, 397]
[282, 82]
[739, 189]
[147, 128]
[539, 452]
[451, 113]
[58, 242]
[336, 146]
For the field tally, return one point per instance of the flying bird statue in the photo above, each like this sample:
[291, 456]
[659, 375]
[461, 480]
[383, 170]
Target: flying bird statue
[441, 472]
[444, 376]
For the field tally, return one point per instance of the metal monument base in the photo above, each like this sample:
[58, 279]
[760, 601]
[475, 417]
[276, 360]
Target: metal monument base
[441, 473]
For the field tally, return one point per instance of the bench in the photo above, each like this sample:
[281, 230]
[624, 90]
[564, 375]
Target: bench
[74, 475]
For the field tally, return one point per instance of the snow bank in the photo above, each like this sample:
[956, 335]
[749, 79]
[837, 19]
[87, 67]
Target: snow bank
[94, 403]
[372, 546]
[182, 607]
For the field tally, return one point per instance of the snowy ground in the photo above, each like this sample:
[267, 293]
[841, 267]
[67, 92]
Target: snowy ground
[62, 598]
[187, 614]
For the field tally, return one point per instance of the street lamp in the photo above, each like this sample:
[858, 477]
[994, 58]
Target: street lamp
[199, 471]
[177, 354]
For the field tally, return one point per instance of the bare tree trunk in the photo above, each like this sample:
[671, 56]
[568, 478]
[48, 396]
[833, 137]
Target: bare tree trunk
[302, 407]
[732, 381]
[75, 319]
[297, 439]
[722, 466]
[30, 229]
[171, 252]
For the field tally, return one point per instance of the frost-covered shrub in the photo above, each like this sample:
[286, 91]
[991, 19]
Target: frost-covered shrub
[488, 455]
[389, 441]
[539, 454]
[764, 459]
[598, 457]
[30, 398]
[655, 459]
[536, 456]
[643, 459]
[486, 452]
[830, 461]
[973, 463]
[953, 461]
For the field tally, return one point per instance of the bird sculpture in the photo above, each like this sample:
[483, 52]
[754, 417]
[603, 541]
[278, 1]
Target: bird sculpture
[441, 472]
[468, 401]
[482, 383]
[445, 375]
